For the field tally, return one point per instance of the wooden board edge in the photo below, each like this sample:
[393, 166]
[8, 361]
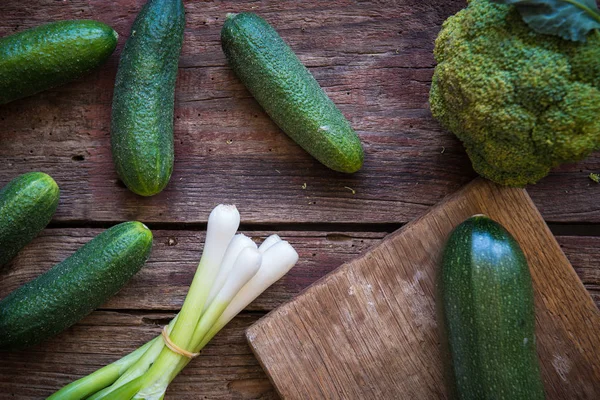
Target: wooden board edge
[251, 331]
[260, 361]
[589, 301]
[472, 198]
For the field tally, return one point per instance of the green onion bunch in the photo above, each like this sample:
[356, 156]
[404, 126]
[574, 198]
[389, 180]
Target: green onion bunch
[232, 272]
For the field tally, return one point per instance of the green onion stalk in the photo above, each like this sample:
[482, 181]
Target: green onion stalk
[232, 272]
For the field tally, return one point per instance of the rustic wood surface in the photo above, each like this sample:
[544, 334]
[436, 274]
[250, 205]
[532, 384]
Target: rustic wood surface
[162, 284]
[369, 330]
[226, 369]
[372, 57]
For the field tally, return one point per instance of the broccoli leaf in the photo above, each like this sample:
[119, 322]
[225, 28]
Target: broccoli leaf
[569, 19]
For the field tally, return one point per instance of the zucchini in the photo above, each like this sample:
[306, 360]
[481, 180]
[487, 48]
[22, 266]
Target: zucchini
[73, 288]
[51, 55]
[488, 310]
[143, 101]
[289, 93]
[27, 204]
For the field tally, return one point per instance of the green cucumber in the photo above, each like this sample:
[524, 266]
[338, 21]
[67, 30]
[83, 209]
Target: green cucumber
[488, 311]
[143, 101]
[51, 55]
[289, 93]
[27, 204]
[73, 288]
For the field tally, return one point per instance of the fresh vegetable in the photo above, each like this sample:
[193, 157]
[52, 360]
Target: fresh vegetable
[289, 93]
[142, 111]
[276, 262]
[75, 287]
[488, 311]
[268, 243]
[231, 274]
[235, 247]
[521, 102]
[51, 55]
[595, 177]
[27, 204]
[569, 19]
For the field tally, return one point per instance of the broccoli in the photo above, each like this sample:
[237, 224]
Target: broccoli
[521, 102]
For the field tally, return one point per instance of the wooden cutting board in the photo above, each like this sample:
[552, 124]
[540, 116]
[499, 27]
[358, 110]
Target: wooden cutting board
[368, 330]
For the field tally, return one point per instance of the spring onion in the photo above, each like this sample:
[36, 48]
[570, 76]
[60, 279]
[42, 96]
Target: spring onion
[237, 244]
[232, 272]
[223, 222]
[276, 262]
[270, 241]
[160, 375]
[86, 386]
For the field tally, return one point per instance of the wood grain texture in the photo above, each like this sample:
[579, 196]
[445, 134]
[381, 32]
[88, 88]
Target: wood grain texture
[226, 370]
[374, 58]
[584, 255]
[163, 283]
[173, 259]
[369, 329]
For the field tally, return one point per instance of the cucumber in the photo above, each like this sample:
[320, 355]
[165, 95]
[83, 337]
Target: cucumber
[289, 93]
[27, 204]
[488, 310]
[73, 288]
[143, 101]
[51, 55]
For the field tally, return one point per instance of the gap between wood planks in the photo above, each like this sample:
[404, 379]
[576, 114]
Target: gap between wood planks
[141, 311]
[558, 229]
[160, 317]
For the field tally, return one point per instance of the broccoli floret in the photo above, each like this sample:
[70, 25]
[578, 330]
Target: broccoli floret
[521, 102]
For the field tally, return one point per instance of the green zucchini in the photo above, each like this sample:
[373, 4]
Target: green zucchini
[73, 288]
[488, 310]
[27, 204]
[289, 93]
[143, 101]
[51, 55]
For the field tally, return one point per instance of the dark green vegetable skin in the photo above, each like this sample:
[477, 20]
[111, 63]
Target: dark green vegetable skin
[142, 113]
[488, 311]
[289, 93]
[51, 55]
[74, 288]
[27, 204]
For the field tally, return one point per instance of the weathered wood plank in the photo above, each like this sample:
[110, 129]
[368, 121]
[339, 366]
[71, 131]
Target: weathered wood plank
[163, 283]
[226, 370]
[373, 58]
[368, 330]
[584, 254]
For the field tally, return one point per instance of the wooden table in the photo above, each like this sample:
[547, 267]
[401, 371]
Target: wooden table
[374, 58]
